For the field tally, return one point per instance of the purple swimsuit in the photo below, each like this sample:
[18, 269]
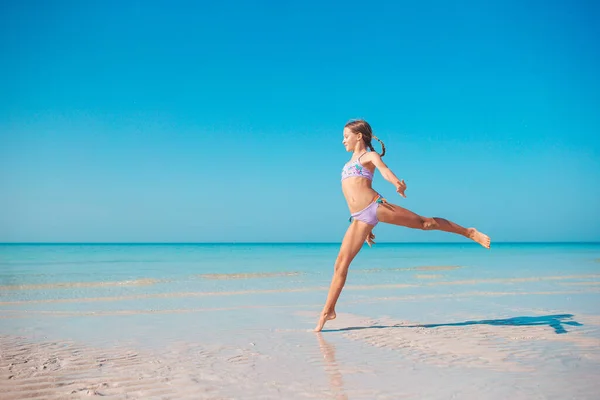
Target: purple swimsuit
[369, 213]
[355, 168]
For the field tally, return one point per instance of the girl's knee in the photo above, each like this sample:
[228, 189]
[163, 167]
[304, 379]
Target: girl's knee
[428, 223]
[342, 259]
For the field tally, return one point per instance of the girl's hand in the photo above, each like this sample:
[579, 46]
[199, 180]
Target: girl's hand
[401, 187]
[370, 239]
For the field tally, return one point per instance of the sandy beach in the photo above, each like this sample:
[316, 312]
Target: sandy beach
[538, 356]
[169, 355]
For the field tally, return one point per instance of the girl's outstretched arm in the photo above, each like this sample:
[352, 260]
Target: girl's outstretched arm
[387, 173]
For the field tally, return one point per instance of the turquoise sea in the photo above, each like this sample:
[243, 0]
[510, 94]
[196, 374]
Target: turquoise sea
[152, 277]
[262, 300]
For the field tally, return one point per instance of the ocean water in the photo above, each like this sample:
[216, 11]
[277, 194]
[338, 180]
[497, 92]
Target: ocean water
[152, 278]
[235, 321]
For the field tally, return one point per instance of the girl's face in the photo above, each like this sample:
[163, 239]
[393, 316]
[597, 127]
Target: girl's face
[351, 139]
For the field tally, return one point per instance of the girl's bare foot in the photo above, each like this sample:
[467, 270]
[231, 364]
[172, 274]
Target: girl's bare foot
[479, 237]
[325, 316]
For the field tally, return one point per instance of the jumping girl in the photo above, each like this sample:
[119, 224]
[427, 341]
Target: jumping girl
[367, 208]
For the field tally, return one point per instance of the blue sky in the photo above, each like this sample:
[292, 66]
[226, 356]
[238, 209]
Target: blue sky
[195, 121]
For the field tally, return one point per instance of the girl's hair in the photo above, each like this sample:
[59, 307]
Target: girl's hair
[362, 126]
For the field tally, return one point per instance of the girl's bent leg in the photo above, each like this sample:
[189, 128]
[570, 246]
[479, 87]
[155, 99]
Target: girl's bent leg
[351, 245]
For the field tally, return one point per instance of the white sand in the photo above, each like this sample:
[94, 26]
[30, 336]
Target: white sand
[355, 358]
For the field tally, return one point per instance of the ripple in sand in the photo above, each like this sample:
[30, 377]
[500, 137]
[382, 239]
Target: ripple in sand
[70, 285]
[61, 370]
[437, 268]
[421, 268]
[179, 370]
[502, 344]
[592, 283]
[428, 276]
[468, 294]
[518, 280]
[249, 275]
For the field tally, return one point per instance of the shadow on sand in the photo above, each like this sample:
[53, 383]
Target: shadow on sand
[554, 321]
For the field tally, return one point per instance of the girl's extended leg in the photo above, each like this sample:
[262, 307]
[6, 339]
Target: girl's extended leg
[393, 214]
[351, 245]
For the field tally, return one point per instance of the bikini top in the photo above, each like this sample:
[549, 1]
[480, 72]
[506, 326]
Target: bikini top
[355, 168]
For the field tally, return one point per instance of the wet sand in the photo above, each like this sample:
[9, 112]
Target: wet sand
[537, 356]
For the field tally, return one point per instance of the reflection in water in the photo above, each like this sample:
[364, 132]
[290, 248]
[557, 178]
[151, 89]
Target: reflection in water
[336, 383]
